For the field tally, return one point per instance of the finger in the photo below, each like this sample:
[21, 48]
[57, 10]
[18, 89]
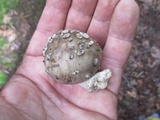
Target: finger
[119, 42]
[98, 28]
[53, 19]
[80, 14]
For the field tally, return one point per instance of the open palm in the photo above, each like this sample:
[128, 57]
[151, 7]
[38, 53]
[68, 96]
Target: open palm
[32, 94]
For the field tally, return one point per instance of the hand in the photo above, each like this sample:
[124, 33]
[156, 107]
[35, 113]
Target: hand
[32, 94]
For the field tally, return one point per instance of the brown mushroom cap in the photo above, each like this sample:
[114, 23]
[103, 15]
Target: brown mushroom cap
[71, 56]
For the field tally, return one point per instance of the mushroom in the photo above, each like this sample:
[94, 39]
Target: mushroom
[73, 57]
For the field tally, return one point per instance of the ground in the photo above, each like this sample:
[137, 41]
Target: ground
[140, 91]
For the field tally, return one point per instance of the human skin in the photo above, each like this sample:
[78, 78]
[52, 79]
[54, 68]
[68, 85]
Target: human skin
[31, 94]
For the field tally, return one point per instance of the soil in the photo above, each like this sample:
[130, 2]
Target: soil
[140, 91]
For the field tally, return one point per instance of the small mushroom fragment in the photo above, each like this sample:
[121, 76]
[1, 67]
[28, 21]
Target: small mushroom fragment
[73, 57]
[98, 81]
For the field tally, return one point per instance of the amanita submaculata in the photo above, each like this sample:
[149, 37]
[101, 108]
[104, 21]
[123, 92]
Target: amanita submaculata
[73, 57]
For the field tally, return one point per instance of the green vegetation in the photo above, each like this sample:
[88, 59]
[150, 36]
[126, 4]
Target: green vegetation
[2, 46]
[98, 49]
[2, 42]
[43, 1]
[5, 6]
[8, 64]
[3, 78]
[7, 61]
[9, 58]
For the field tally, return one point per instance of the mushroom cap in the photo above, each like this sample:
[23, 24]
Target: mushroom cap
[71, 56]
